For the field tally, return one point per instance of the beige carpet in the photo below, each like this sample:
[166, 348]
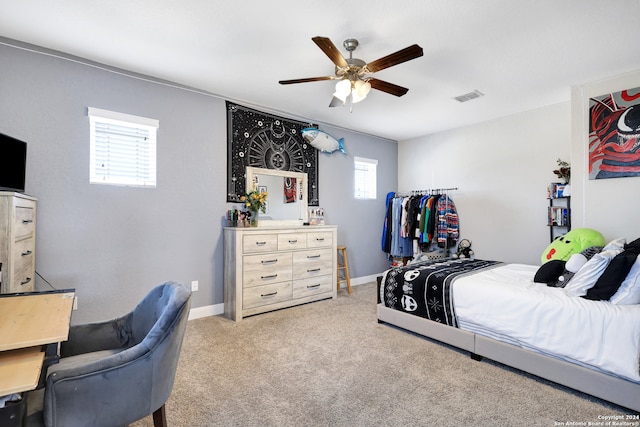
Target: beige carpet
[330, 363]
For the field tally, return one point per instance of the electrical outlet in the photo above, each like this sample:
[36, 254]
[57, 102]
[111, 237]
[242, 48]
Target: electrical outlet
[194, 285]
[75, 303]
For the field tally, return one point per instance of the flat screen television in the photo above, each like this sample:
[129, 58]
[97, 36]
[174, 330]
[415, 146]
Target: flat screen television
[13, 163]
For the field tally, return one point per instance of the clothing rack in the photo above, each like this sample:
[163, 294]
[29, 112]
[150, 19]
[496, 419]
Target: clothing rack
[429, 191]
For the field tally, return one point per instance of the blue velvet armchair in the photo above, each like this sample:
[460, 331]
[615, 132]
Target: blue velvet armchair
[116, 372]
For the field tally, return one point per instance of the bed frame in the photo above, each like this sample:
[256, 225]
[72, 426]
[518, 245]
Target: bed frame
[610, 388]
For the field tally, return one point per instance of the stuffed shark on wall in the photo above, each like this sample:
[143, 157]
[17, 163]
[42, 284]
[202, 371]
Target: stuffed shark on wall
[322, 141]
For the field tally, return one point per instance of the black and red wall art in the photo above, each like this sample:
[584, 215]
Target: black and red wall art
[614, 135]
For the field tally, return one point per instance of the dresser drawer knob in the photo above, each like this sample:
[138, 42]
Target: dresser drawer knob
[313, 256]
[24, 282]
[273, 276]
[313, 286]
[261, 243]
[293, 242]
[313, 270]
[269, 261]
[272, 294]
[26, 253]
[319, 239]
[27, 221]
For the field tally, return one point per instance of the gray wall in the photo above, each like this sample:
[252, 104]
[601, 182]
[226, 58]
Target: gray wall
[114, 243]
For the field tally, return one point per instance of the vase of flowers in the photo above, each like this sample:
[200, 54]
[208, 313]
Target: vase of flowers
[255, 201]
[563, 171]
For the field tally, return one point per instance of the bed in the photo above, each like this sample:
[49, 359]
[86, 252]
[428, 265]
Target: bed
[496, 310]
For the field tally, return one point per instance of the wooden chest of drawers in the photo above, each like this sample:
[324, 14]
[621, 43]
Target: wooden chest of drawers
[17, 242]
[271, 268]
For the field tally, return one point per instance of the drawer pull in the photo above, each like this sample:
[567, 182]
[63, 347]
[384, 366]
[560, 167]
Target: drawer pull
[293, 242]
[313, 286]
[313, 256]
[269, 261]
[27, 221]
[27, 252]
[261, 243]
[313, 270]
[272, 294]
[319, 239]
[273, 276]
[24, 282]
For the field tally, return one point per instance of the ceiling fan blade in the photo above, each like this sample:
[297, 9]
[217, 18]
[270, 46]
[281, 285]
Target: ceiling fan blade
[404, 55]
[307, 80]
[330, 50]
[388, 87]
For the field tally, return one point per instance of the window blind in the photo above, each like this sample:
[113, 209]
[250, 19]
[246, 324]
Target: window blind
[365, 178]
[123, 149]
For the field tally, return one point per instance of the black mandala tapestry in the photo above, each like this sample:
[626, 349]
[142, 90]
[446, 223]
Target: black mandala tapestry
[266, 141]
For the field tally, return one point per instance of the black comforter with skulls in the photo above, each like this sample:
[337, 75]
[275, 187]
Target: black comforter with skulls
[424, 288]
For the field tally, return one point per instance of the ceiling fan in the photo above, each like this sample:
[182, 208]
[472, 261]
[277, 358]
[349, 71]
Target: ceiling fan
[353, 74]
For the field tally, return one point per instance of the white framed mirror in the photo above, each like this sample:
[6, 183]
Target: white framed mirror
[287, 199]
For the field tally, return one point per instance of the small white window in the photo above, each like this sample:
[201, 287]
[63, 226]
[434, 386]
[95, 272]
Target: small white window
[365, 178]
[123, 149]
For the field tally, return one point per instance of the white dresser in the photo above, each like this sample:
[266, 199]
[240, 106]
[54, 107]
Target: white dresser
[17, 242]
[270, 268]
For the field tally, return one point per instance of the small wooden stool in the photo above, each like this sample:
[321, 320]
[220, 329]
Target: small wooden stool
[342, 253]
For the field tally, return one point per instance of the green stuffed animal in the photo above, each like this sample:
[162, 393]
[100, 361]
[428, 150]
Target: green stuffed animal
[574, 242]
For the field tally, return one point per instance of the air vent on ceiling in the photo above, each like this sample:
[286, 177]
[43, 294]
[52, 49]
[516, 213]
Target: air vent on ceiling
[469, 96]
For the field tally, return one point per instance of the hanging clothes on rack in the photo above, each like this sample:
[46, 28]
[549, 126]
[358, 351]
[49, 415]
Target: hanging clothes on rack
[447, 223]
[415, 221]
[401, 245]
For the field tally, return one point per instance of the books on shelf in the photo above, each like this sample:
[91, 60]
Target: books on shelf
[559, 216]
[556, 190]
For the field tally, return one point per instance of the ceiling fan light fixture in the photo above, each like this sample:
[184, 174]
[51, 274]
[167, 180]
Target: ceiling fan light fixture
[343, 88]
[340, 96]
[336, 102]
[364, 88]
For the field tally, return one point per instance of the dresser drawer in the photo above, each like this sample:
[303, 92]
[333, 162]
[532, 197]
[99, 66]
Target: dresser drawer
[252, 243]
[266, 275]
[319, 239]
[311, 286]
[312, 263]
[290, 241]
[266, 295]
[25, 222]
[23, 253]
[23, 279]
[266, 261]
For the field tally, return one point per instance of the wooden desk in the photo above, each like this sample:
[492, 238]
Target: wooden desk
[20, 369]
[27, 323]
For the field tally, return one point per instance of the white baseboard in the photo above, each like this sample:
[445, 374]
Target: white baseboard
[216, 309]
[209, 310]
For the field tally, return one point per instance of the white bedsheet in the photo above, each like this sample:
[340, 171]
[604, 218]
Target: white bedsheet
[504, 303]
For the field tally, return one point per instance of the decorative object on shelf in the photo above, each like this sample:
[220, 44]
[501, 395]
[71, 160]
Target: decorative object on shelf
[316, 216]
[255, 201]
[266, 141]
[563, 171]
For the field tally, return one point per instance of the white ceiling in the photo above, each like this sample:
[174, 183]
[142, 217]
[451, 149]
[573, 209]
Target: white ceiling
[521, 54]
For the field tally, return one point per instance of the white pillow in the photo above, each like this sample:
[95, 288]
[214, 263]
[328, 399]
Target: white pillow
[629, 290]
[588, 275]
[616, 244]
